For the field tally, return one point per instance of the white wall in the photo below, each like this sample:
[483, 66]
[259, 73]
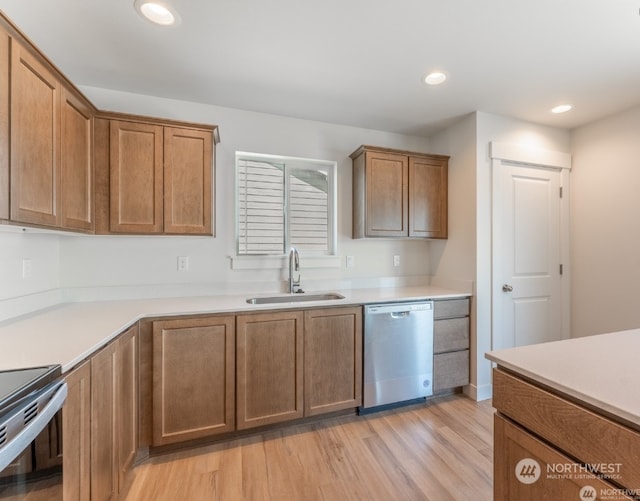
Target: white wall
[89, 267]
[606, 225]
[453, 261]
[467, 253]
[20, 295]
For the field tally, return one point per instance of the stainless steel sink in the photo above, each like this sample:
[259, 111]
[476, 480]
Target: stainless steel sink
[295, 298]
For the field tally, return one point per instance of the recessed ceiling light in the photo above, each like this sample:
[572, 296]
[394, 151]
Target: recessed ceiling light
[158, 12]
[435, 78]
[562, 108]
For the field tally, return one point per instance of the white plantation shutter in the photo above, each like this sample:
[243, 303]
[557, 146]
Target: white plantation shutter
[281, 204]
[309, 210]
[260, 208]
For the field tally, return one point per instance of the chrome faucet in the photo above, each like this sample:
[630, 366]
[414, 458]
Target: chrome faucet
[294, 265]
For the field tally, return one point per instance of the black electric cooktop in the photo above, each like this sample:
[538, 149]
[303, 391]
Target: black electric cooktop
[17, 384]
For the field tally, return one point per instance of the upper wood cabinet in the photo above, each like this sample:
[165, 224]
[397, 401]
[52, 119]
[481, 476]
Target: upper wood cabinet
[136, 185]
[49, 181]
[399, 193]
[5, 61]
[35, 139]
[188, 156]
[60, 167]
[76, 163]
[153, 177]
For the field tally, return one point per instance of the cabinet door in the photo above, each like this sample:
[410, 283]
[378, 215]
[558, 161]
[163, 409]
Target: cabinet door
[103, 466]
[332, 360]
[76, 164]
[5, 43]
[126, 401]
[76, 433]
[188, 163]
[136, 177]
[521, 469]
[193, 378]
[269, 368]
[35, 107]
[428, 197]
[386, 195]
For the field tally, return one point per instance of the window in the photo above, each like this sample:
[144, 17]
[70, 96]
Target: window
[284, 202]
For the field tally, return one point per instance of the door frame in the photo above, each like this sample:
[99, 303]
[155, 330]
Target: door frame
[509, 153]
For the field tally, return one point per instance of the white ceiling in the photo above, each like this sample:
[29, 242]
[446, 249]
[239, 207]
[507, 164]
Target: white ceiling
[356, 62]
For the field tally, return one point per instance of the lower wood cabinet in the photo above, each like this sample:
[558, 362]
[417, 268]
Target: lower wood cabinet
[76, 433]
[332, 360]
[213, 375]
[193, 378]
[103, 453]
[523, 463]
[550, 446]
[126, 394]
[269, 360]
[450, 370]
[100, 421]
[450, 344]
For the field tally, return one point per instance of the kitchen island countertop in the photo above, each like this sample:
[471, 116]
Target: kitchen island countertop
[601, 371]
[68, 333]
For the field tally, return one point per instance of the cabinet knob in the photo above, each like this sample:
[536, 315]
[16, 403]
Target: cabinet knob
[507, 288]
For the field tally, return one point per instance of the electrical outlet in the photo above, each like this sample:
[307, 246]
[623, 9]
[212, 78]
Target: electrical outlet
[183, 263]
[26, 268]
[350, 261]
[396, 260]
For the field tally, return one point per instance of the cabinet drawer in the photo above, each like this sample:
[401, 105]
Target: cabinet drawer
[451, 334]
[447, 308]
[582, 434]
[450, 370]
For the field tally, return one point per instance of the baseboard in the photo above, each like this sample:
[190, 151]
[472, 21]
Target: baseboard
[478, 393]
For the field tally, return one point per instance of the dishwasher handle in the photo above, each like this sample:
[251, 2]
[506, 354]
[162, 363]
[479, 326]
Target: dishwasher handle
[400, 314]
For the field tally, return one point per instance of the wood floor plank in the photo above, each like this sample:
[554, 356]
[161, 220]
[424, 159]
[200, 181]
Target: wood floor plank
[440, 450]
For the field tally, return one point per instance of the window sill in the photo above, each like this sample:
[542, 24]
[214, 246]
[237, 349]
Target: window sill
[282, 262]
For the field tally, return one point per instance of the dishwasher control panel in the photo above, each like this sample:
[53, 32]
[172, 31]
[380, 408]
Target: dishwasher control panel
[392, 307]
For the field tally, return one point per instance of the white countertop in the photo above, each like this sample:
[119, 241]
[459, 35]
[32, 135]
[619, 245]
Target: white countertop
[603, 371]
[69, 333]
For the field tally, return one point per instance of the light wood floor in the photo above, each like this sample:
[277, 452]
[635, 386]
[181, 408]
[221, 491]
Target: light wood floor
[441, 450]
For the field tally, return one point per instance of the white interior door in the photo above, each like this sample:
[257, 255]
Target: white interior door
[527, 255]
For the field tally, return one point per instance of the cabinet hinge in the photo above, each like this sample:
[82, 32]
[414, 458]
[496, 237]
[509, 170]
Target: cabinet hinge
[561, 269]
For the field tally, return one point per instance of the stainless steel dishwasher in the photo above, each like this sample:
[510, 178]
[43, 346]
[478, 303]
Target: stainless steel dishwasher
[398, 353]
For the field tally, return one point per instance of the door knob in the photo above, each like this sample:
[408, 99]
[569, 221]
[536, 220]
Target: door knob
[507, 288]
